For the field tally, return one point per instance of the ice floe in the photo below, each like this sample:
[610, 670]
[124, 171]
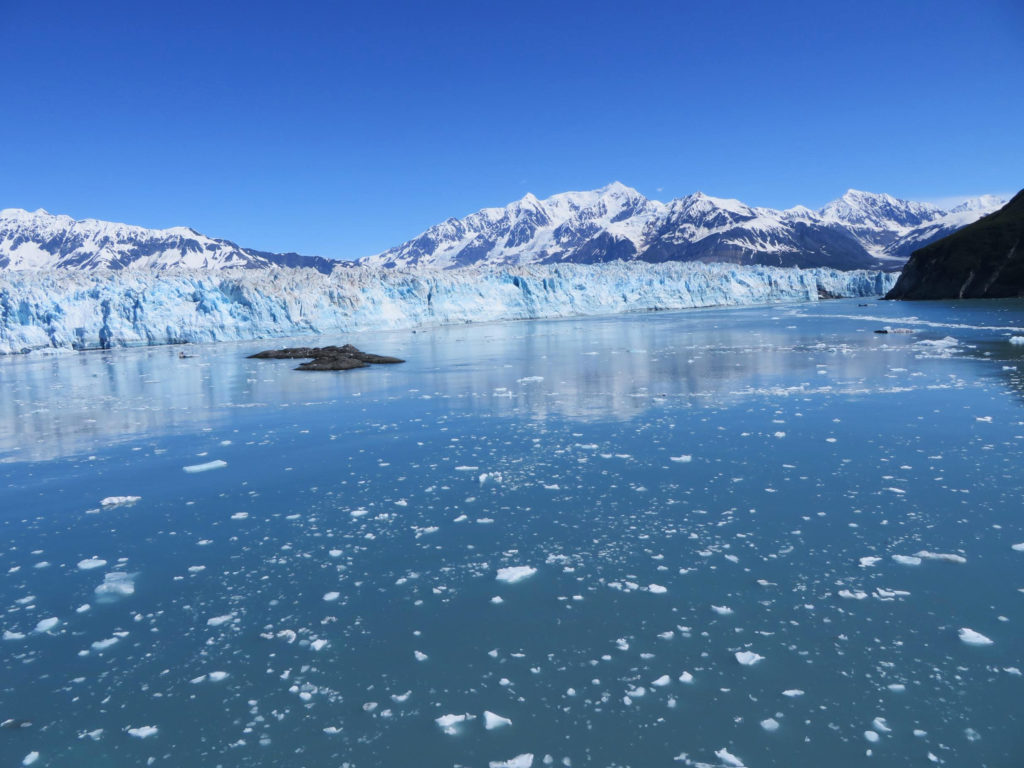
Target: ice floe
[970, 637]
[206, 467]
[515, 573]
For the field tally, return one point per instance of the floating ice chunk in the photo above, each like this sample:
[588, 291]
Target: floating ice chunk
[519, 761]
[869, 562]
[143, 731]
[450, 723]
[792, 692]
[497, 600]
[662, 681]
[926, 555]
[530, 380]
[239, 515]
[871, 736]
[91, 562]
[748, 658]
[971, 637]
[420, 656]
[907, 559]
[1018, 547]
[330, 597]
[466, 468]
[492, 721]
[102, 645]
[30, 758]
[721, 610]
[515, 573]
[880, 725]
[47, 624]
[116, 501]
[335, 553]
[686, 677]
[729, 759]
[217, 621]
[215, 464]
[318, 645]
[684, 459]
[854, 594]
[359, 512]
[656, 589]
[896, 687]
[216, 677]
[9, 635]
[770, 724]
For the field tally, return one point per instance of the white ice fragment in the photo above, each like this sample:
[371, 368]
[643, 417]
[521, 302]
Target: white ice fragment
[721, 610]
[515, 573]
[684, 459]
[871, 736]
[115, 585]
[770, 724]
[686, 677]
[319, 644]
[662, 681]
[897, 687]
[217, 621]
[102, 645]
[869, 562]
[449, 724]
[115, 501]
[91, 562]
[9, 635]
[748, 658]
[215, 464]
[492, 721]
[1018, 547]
[30, 758]
[420, 656]
[656, 589]
[143, 731]
[907, 559]
[47, 624]
[970, 637]
[854, 594]
[330, 597]
[793, 692]
[519, 761]
[728, 759]
[216, 677]
[926, 555]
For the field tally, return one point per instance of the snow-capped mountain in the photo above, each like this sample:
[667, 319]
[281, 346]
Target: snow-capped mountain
[859, 230]
[39, 240]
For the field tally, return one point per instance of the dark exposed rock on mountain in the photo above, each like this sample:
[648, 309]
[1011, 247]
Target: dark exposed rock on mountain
[326, 358]
[984, 260]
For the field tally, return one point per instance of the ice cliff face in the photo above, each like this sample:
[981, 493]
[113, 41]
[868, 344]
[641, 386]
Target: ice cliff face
[103, 309]
[859, 230]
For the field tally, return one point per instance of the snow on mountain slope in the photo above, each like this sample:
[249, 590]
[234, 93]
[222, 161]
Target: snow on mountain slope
[69, 309]
[618, 223]
[39, 240]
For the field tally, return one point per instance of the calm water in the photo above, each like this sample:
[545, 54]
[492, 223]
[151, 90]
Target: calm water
[687, 486]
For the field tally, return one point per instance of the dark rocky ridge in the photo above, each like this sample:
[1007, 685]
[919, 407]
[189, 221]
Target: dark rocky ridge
[326, 358]
[984, 260]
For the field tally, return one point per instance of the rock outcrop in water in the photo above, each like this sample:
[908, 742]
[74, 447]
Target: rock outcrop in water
[984, 260]
[327, 358]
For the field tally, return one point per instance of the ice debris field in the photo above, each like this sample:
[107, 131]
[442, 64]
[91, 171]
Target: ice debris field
[760, 537]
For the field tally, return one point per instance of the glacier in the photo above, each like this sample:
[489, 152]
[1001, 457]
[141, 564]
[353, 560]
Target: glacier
[101, 309]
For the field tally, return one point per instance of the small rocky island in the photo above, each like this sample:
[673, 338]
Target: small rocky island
[326, 358]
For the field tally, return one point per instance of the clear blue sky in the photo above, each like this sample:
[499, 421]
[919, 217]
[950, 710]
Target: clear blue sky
[342, 128]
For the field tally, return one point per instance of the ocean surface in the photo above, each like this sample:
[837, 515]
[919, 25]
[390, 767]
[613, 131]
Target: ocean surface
[764, 537]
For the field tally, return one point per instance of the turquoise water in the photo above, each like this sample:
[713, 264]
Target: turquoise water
[686, 486]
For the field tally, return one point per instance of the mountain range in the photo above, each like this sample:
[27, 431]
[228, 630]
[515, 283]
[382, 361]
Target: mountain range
[860, 230]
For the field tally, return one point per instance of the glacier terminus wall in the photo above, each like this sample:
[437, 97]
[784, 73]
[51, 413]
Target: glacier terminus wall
[60, 309]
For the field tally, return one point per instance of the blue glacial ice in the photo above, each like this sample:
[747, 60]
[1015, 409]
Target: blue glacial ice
[90, 310]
